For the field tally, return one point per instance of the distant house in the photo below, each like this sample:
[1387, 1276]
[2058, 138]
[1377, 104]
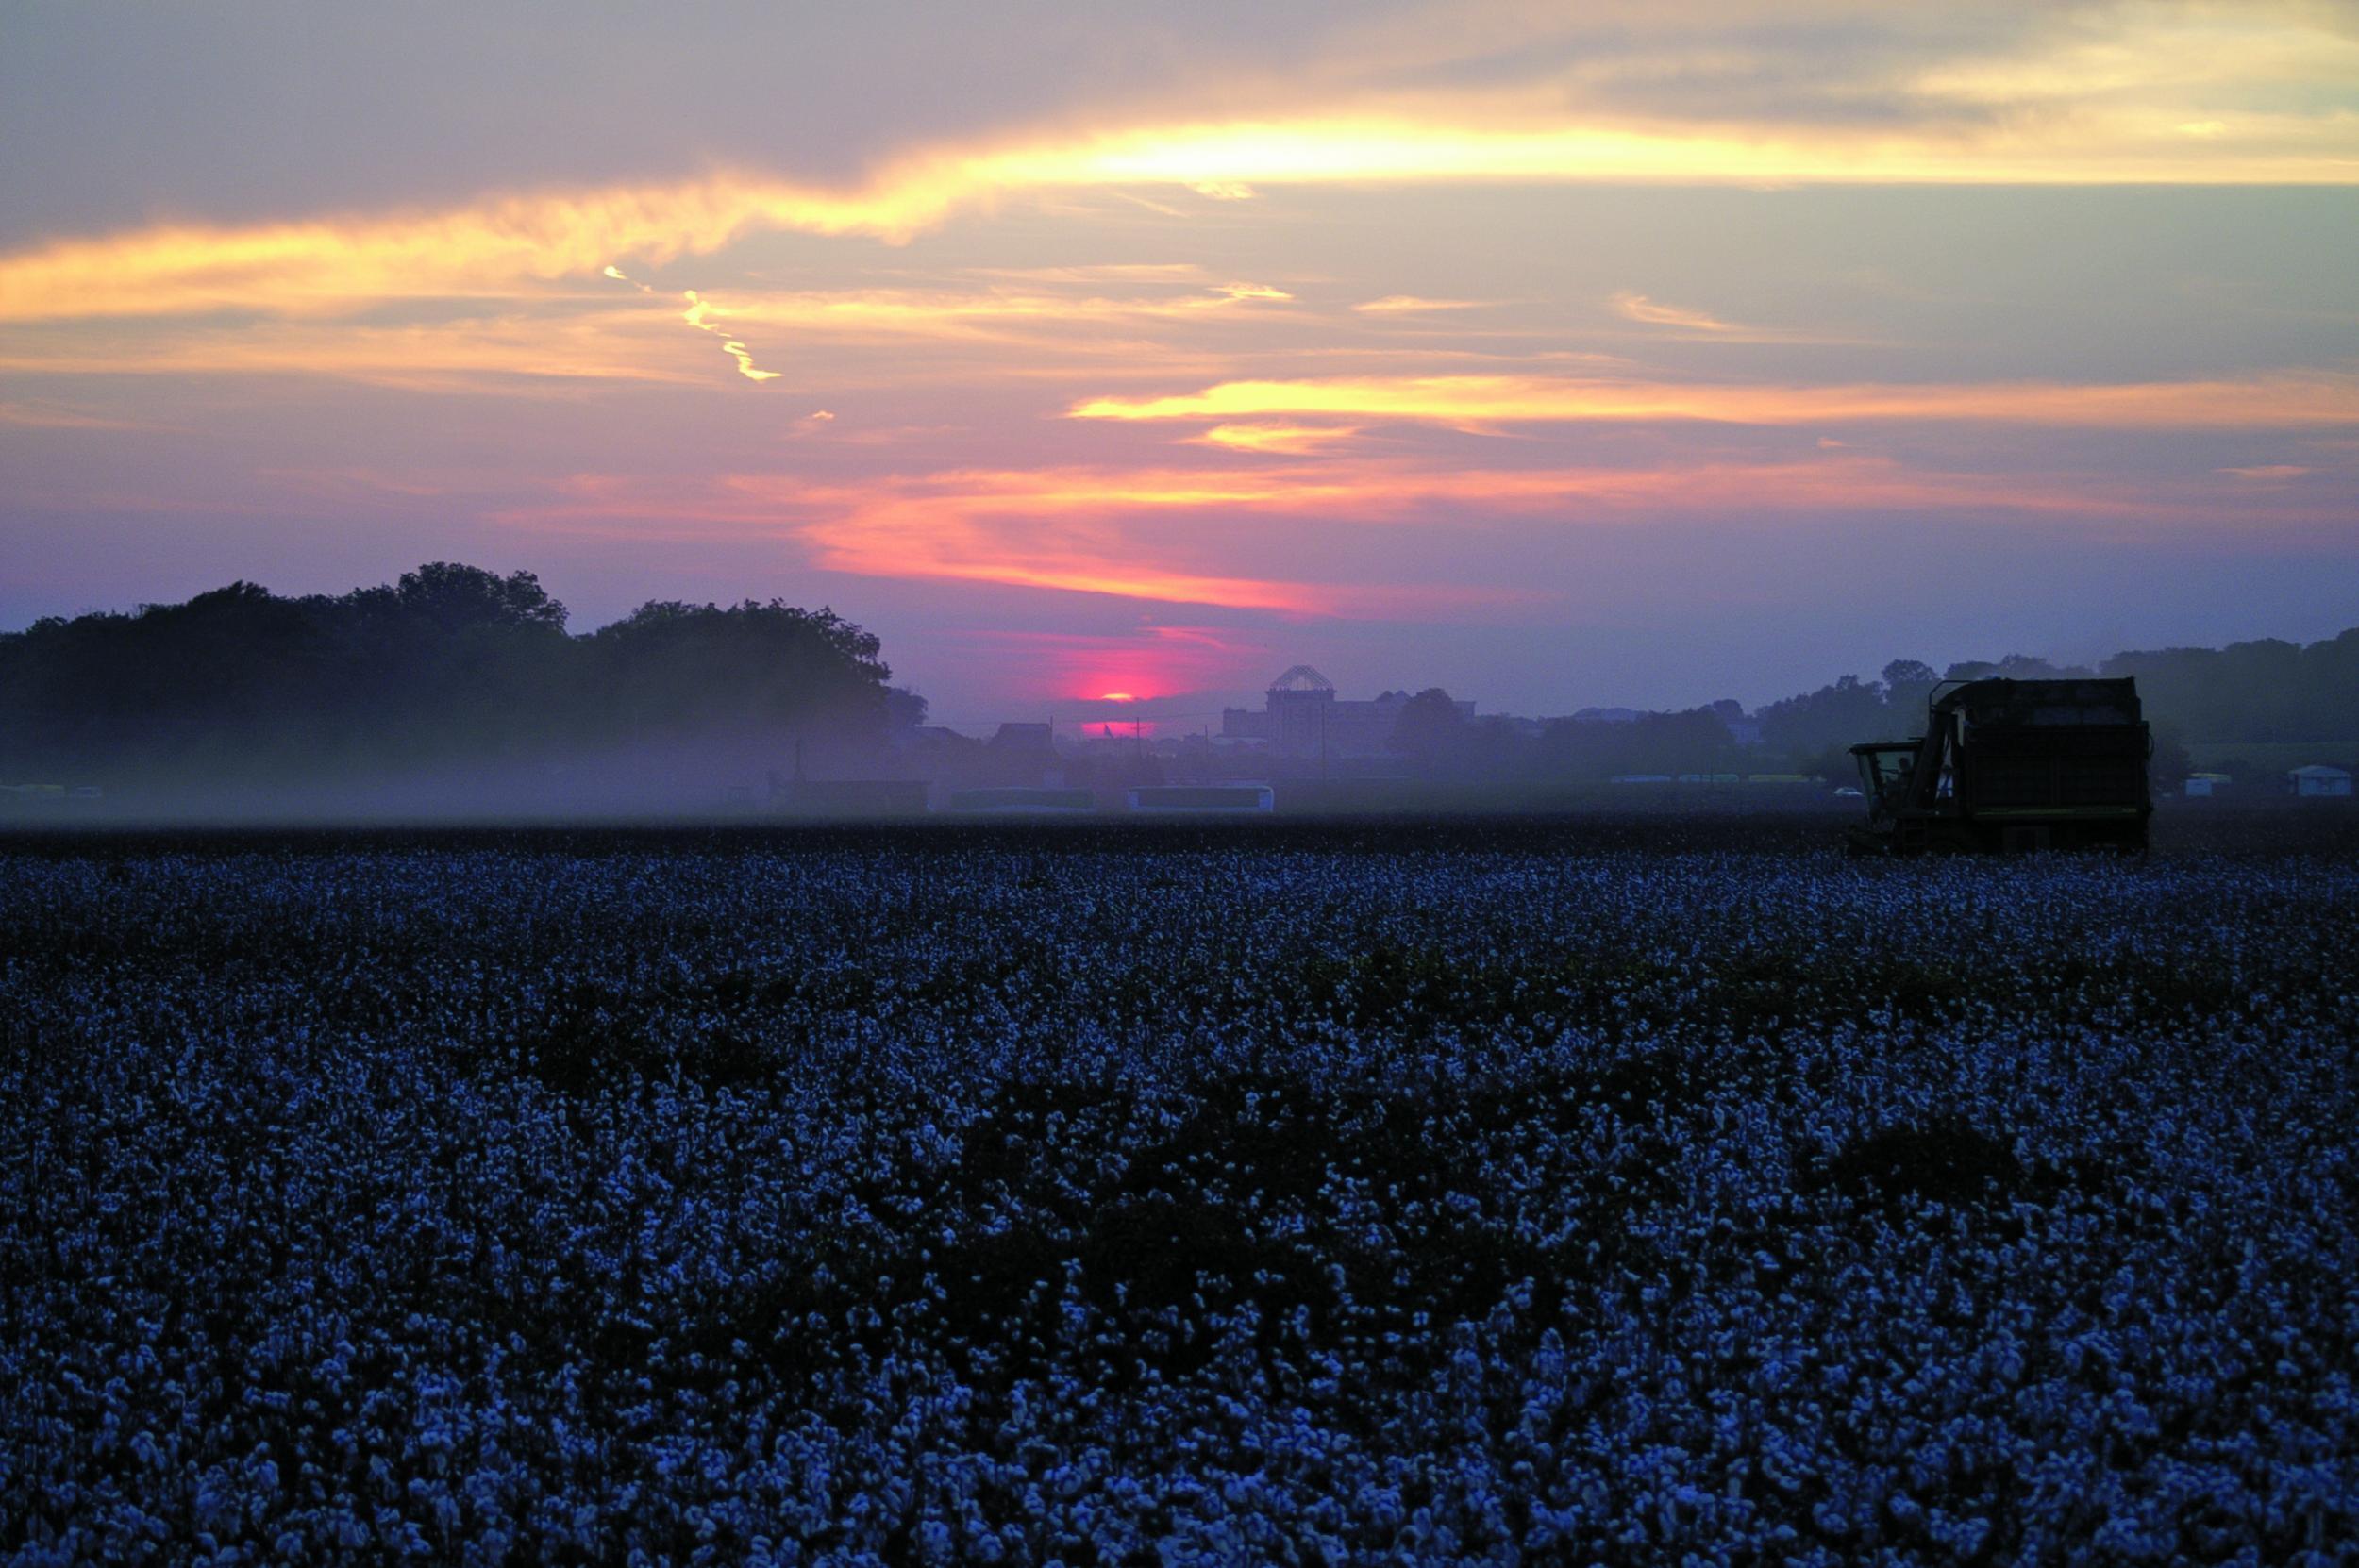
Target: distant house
[2318, 781]
[2203, 785]
[1020, 738]
[931, 738]
[1024, 753]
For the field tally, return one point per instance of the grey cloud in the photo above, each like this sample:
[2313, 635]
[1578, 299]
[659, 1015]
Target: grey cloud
[117, 114]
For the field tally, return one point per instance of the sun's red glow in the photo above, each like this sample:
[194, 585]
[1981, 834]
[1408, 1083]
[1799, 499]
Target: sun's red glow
[1116, 697]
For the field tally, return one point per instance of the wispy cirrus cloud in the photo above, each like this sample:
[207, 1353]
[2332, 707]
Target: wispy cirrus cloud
[1638, 307]
[44, 414]
[2303, 400]
[1684, 322]
[1406, 305]
[480, 344]
[989, 313]
[513, 352]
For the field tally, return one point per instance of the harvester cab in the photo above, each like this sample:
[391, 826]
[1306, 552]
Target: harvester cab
[1886, 769]
[2011, 765]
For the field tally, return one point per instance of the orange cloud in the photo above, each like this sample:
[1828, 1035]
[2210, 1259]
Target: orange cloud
[487, 248]
[1281, 439]
[1475, 401]
[1151, 533]
[1459, 142]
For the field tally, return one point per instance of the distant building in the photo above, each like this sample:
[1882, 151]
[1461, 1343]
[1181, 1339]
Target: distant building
[1024, 738]
[1024, 753]
[1302, 717]
[2319, 782]
[1196, 799]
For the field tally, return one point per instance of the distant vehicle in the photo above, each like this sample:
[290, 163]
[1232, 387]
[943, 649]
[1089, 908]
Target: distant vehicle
[42, 800]
[1847, 793]
[2006, 766]
[1025, 801]
[1199, 799]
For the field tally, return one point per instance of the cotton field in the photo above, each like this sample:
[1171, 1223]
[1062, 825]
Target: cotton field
[1321, 1196]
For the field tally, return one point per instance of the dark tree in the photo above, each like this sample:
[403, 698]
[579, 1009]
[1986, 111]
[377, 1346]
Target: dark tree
[453, 673]
[669, 667]
[1815, 729]
[457, 598]
[1430, 729]
[1697, 740]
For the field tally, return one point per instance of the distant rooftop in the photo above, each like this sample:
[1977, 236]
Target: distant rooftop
[1026, 737]
[1302, 678]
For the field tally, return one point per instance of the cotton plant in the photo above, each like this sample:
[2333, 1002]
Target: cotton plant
[1189, 1200]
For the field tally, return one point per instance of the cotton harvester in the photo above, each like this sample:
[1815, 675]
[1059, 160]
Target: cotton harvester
[2006, 766]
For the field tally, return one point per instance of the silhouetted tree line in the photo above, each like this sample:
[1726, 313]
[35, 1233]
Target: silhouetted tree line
[2252, 692]
[1435, 738]
[2258, 692]
[1695, 740]
[449, 671]
[460, 674]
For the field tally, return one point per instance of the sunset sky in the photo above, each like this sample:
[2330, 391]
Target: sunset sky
[1640, 353]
